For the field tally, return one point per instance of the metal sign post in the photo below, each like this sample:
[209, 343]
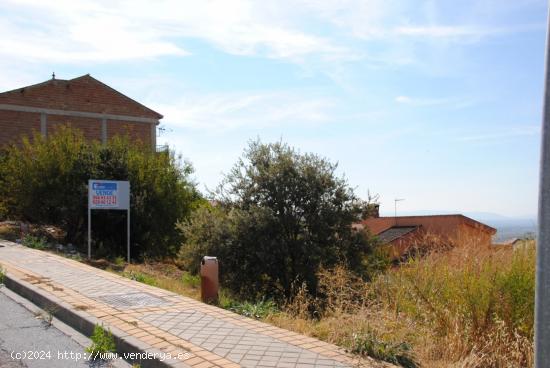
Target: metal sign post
[542, 291]
[108, 195]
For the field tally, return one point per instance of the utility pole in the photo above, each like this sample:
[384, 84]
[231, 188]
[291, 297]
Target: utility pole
[542, 291]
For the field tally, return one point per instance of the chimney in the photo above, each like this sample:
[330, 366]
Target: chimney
[375, 210]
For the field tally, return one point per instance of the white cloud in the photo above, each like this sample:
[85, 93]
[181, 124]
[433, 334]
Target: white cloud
[461, 32]
[125, 30]
[76, 34]
[503, 134]
[443, 31]
[426, 102]
[101, 31]
[221, 112]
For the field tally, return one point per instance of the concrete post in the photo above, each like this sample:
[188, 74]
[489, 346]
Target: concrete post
[542, 292]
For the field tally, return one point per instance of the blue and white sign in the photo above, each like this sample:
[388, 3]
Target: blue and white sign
[108, 194]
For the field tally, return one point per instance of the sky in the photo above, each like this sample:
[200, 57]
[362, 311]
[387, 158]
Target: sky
[435, 102]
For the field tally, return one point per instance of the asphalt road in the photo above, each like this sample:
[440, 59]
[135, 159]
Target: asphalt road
[26, 340]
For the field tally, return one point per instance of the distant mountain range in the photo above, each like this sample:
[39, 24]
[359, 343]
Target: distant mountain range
[507, 227]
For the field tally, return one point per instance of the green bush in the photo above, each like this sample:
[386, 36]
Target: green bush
[280, 216]
[257, 310]
[371, 345]
[34, 242]
[44, 181]
[140, 277]
[102, 342]
[193, 281]
[119, 261]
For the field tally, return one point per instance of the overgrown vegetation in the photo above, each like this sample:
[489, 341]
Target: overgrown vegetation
[44, 181]
[2, 275]
[279, 216]
[102, 342]
[478, 304]
[369, 344]
[34, 242]
[163, 275]
[466, 307]
[258, 310]
[141, 277]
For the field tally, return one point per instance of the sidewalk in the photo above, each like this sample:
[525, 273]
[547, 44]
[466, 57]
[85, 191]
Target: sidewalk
[176, 330]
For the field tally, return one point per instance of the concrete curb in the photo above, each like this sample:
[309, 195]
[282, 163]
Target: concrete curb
[76, 336]
[85, 324]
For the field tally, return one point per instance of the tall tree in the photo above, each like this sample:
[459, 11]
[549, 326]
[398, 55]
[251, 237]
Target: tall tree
[297, 213]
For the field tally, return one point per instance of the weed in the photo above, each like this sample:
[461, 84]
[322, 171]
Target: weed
[47, 315]
[371, 345]
[120, 261]
[257, 310]
[102, 341]
[47, 318]
[189, 280]
[141, 277]
[77, 257]
[2, 275]
[34, 242]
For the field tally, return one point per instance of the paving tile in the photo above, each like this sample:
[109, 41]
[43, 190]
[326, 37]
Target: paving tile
[167, 321]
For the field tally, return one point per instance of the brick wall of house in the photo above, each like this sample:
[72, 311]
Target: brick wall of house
[135, 131]
[90, 128]
[14, 125]
[83, 103]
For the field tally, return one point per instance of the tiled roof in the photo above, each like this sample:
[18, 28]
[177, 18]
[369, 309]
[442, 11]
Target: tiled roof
[84, 93]
[395, 232]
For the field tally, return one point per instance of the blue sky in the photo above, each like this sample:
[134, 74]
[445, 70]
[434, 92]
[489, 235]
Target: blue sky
[437, 102]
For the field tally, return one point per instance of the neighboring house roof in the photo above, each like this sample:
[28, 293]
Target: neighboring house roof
[83, 93]
[380, 224]
[395, 232]
[511, 241]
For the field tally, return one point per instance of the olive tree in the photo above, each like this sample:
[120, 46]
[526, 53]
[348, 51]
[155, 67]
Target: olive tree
[278, 216]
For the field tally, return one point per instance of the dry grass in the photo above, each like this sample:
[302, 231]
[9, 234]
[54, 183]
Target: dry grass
[165, 276]
[467, 307]
[477, 305]
[9, 231]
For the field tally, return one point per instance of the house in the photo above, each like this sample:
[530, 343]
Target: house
[402, 233]
[85, 103]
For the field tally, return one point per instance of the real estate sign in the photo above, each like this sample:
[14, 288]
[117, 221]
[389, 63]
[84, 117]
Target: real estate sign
[108, 195]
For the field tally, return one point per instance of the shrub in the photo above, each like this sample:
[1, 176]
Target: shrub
[44, 181]
[371, 345]
[141, 277]
[102, 342]
[258, 310]
[281, 215]
[193, 281]
[34, 242]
